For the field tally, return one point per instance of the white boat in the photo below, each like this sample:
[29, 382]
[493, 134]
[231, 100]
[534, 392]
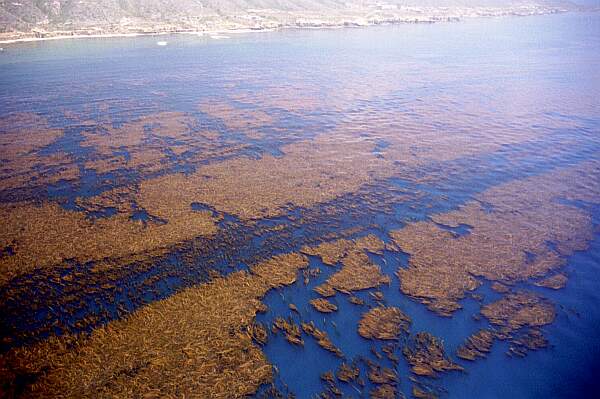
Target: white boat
[161, 43]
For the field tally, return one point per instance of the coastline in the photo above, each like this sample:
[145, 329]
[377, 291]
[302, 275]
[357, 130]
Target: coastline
[220, 33]
[114, 35]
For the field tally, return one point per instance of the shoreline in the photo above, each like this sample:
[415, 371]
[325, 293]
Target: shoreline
[219, 33]
[115, 35]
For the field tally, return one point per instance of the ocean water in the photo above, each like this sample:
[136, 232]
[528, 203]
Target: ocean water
[504, 74]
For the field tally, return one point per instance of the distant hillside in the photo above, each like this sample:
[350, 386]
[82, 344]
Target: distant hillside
[172, 15]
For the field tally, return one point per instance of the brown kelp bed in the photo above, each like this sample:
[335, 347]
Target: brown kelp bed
[511, 226]
[203, 341]
[383, 323]
[357, 272]
[196, 343]
[163, 345]
[76, 297]
[495, 248]
[308, 172]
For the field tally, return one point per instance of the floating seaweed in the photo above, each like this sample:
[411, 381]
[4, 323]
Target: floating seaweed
[555, 282]
[322, 338]
[323, 305]
[347, 373]
[259, 333]
[512, 313]
[390, 351]
[477, 345]
[419, 393]
[384, 391]
[499, 287]
[508, 243]
[292, 331]
[377, 295]
[162, 347]
[425, 353]
[532, 339]
[46, 234]
[383, 323]
[293, 308]
[308, 273]
[519, 309]
[328, 377]
[309, 173]
[355, 300]
[249, 121]
[381, 375]
[22, 137]
[357, 273]
[330, 252]
[325, 290]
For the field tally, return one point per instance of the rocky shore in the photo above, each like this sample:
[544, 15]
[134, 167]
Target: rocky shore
[255, 20]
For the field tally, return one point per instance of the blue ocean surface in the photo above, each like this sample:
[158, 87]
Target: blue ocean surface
[539, 73]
